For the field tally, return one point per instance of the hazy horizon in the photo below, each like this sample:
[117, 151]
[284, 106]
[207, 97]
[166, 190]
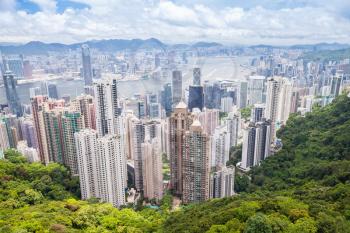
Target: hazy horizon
[283, 22]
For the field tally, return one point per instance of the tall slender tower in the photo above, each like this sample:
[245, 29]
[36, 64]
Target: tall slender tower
[85, 105]
[107, 106]
[196, 76]
[195, 165]
[86, 60]
[177, 87]
[37, 110]
[112, 170]
[88, 167]
[273, 91]
[233, 122]
[137, 135]
[152, 169]
[54, 134]
[11, 93]
[72, 123]
[220, 149]
[179, 123]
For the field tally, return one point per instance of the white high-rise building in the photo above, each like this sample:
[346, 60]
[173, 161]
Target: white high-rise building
[4, 139]
[107, 105]
[102, 167]
[137, 135]
[233, 127]
[112, 170]
[256, 87]
[222, 182]
[272, 99]
[285, 101]
[209, 119]
[226, 104]
[86, 147]
[278, 102]
[152, 169]
[220, 149]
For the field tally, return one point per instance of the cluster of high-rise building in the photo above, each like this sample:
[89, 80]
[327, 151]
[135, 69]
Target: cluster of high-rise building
[114, 143]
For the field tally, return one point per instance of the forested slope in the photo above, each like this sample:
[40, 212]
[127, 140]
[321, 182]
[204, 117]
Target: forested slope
[304, 187]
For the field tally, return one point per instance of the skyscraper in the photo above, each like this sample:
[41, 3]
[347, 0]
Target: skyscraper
[88, 167]
[248, 147]
[257, 112]
[220, 149]
[222, 182]
[243, 94]
[284, 101]
[29, 133]
[86, 60]
[54, 134]
[37, 103]
[166, 99]
[179, 123]
[15, 64]
[52, 91]
[11, 93]
[256, 143]
[152, 169]
[233, 122]
[256, 86]
[72, 123]
[273, 91]
[196, 76]
[137, 135]
[85, 105]
[107, 107]
[112, 170]
[196, 97]
[262, 141]
[41, 105]
[195, 165]
[176, 87]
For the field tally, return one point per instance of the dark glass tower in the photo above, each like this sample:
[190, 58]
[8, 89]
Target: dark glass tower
[11, 93]
[195, 98]
[86, 59]
[166, 99]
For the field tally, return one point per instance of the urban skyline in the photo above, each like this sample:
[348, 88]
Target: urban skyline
[176, 134]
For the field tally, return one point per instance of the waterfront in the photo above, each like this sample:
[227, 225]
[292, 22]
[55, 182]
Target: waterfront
[212, 68]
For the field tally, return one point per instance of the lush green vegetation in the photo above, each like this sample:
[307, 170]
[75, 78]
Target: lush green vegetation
[38, 198]
[245, 112]
[303, 188]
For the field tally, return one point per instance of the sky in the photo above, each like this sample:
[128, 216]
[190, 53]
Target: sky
[275, 22]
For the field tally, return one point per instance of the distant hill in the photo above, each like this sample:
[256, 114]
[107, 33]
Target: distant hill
[307, 47]
[327, 55]
[113, 45]
[206, 45]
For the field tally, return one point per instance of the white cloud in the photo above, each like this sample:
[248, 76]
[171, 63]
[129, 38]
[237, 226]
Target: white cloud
[7, 5]
[174, 23]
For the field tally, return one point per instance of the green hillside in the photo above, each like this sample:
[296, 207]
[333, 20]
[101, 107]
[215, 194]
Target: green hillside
[304, 188]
